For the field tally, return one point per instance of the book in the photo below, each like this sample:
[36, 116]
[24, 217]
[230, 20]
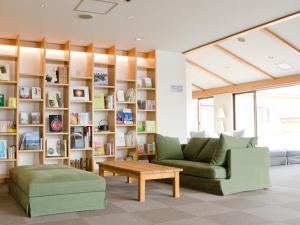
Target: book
[54, 99]
[99, 100]
[99, 148]
[127, 115]
[24, 118]
[36, 93]
[35, 118]
[119, 117]
[24, 93]
[109, 101]
[130, 138]
[147, 82]
[120, 96]
[2, 99]
[30, 141]
[4, 71]
[3, 149]
[74, 118]
[150, 126]
[55, 123]
[100, 77]
[130, 95]
[77, 137]
[141, 126]
[83, 118]
[120, 139]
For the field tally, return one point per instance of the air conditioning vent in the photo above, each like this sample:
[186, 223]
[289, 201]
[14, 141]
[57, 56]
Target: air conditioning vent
[96, 6]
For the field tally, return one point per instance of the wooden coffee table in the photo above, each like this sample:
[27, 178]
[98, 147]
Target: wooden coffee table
[142, 172]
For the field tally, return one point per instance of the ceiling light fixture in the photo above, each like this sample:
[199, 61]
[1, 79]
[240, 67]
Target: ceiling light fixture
[130, 17]
[227, 67]
[44, 5]
[86, 16]
[271, 57]
[284, 66]
[139, 38]
[241, 39]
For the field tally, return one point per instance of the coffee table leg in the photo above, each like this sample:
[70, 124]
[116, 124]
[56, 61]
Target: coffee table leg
[101, 171]
[176, 192]
[141, 189]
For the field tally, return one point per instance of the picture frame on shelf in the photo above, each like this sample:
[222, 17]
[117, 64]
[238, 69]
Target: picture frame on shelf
[100, 77]
[4, 71]
[24, 92]
[36, 93]
[35, 118]
[80, 93]
[24, 118]
[51, 74]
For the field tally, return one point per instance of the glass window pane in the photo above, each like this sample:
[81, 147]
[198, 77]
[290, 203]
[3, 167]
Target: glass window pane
[195, 119]
[245, 113]
[206, 114]
[278, 117]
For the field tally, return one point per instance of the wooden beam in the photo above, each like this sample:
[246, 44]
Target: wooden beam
[280, 39]
[196, 86]
[250, 86]
[210, 72]
[243, 61]
[253, 28]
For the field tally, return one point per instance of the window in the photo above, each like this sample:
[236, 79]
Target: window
[203, 114]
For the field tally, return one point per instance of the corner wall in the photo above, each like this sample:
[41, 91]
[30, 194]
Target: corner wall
[171, 105]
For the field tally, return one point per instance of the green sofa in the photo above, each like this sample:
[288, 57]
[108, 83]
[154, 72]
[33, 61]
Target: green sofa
[51, 189]
[220, 166]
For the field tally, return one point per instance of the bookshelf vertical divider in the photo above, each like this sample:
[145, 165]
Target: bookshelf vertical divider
[17, 99]
[43, 87]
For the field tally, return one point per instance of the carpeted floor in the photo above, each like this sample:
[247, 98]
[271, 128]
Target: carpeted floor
[278, 206]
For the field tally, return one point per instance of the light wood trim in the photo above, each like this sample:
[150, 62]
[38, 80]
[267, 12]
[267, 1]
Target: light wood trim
[280, 39]
[253, 28]
[250, 86]
[243, 61]
[209, 71]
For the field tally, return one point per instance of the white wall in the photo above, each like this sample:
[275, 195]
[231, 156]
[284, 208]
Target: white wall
[171, 106]
[224, 101]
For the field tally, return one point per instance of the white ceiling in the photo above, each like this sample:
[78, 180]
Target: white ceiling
[260, 49]
[175, 25]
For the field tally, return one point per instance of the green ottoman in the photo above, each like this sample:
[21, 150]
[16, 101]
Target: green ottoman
[51, 189]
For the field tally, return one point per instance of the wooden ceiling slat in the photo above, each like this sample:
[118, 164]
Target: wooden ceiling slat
[209, 72]
[250, 86]
[243, 61]
[280, 39]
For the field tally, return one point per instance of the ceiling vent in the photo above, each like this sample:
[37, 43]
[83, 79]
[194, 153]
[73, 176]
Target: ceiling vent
[96, 6]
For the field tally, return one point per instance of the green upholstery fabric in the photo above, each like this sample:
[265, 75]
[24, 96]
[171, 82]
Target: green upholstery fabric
[168, 147]
[229, 142]
[50, 180]
[208, 150]
[197, 169]
[194, 147]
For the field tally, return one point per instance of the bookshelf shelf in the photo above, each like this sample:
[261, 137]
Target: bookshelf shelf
[125, 125]
[7, 108]
[8, 160]
[31, 125]
[146, 89]
[56, 109]
[81, 149]
[7, 134]
[103, 133]
[145, 132]
[8, 82]
[30, 151]
[79, 125]
[145, 67]
[105, 110]
[31, 100]
[126, 103]
[104, 87]
[82, 78]
[84, 102]
[56, 85]
[8, 57]
[103, 64]
[56, 133]
[54, 60]
[57, 158]
[125, 147]
[127, 80]
[145, 154]
[104, 156]
[31, 75]
[146, 110]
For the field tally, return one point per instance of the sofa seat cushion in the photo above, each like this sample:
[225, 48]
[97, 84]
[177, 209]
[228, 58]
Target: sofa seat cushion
[198, 169]
[47, 180]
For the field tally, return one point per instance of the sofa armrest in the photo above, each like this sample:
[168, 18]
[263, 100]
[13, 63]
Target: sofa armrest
[248, 163]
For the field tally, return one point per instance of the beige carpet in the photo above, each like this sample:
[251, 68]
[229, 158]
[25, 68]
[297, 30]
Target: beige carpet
[278, 206]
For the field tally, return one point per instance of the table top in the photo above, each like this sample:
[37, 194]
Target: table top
[139, 167]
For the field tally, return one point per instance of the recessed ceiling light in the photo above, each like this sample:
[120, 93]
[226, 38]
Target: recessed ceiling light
[139, 38]
[271, 57]
[44, 5]
[86, 16]
[284, 66]
[241, 39]
[130, 17]
[227, 67]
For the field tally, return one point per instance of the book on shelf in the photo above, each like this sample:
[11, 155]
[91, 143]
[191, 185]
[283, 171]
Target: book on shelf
[4, 71]
[56, 74]
[144, 82]
[2, 99]
[82, 163]
[127, 116]
[109, 147]
[141, 148]
[109, 101]
[81, 137]
[30, 141]
[98, 148]
[25, 92]
[99, 100]
[8, 126]
[3, 149]
[130, 139]
[55, 123]
[120, 139]
[35, 118]
[74, 118]
[130, 95]
[55, 99]
[56, 147]
[150, 126]
[146, 104]
[141, 126]
[24, 118]
[36, 93]
[100, 77]
[120, 96]
[84, 118]
[11, 152]
[119, 117]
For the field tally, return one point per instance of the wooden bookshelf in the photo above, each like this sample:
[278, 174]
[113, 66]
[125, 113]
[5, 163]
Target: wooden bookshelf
[31, 61]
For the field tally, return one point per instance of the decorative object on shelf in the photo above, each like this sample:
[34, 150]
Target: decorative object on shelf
[150, 126]
[56, 147]
[36, 93]
[82, 163]
[83, 118]
[80, 93]
[103, 125]
[128, 117]
[74, 118]
[130, 139]
[99, 148]
[99, 100]
[120, 96]
[30, 141]
[3, 149]
[55, 99]
[100, 77]
[24, 92]
[2, 99]
[24, 118]
[141, 126]
[147, 82]
[4, 71]
[119, 117]
[35, 118]
[120, 139]
[12, 102]
[130, 95]
[55, 123]
[56, 74]
[109, 101]
[11, 152]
